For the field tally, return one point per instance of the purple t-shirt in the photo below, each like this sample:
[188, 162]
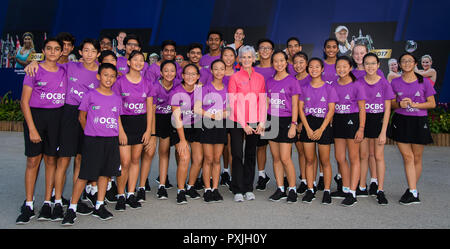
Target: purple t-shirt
[122, 66]
[162, 98]
[134, 95]
[213, 99]
[305, 81]
[317, 99]
[153, 72]
[49, 88]
[361, 73]
[205, 75]
[329, 73]
[376, 94]
[291, 69]
[207, 59]
[348, 97]
[186, 100]
[417, 92]
[79, 82]
[267, 72]
[102, 114]
[280, 94]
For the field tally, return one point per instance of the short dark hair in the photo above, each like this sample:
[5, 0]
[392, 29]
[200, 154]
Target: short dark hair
[103, 37]
[132, 37]
[419, 76]
[167, 43]
[66, 36]
[215, 32]
[350, 62]
[106, 53]
[54, 39]
[265, 40]
[106, 66]
[195, 45]
[94, 43]
[164, 63]
[293, 38]
[300, 54]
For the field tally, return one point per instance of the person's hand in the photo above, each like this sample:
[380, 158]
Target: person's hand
[414, 104]
[404, 103]
[292, 131]
[151, 144]
[32, 68]
[183, 148]
[317, 134]
[35, 137]
[248, 130]
[382, 138]
[359, 136]
[123, 139]
[260, 129]
[310, 133]
[145, 138]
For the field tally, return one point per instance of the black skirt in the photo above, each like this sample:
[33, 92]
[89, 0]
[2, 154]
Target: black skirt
[134, 127]
[345, 125]
[191, 134]
[374, 124]
[315, 123]
[282, 125]
[410, 129]
[214, 133]
[163, 125]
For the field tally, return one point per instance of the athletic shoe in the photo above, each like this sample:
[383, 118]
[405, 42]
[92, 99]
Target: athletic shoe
[349, 200]
[338, 183]
[326, 199]
[362, 193]
[309, 196]
[120, 205]
[84, 195]
[315, 189]
[92, 198]
[321, 184]
[278, 195]
[292, 196]
[168, 185]
[249, 196]
[83, 209]
[102, 213]
[69, 218]
[208, 196]
[140, 196]
[162, 193]
[132, 202]
[285, 182]
[381, 198]
[262, 183]
[25, 216]
[114, 188]
[58, 213]
[147, 186]
[225, 179]
[410, 199]
[192, 193]
[110, 197]
[373, 188]
[302, 188]
[198, 185]
[181, 198]
[238, 198]
[217, 196]
[405, 195]
[65, 202]
[45, 213]
[338, 194]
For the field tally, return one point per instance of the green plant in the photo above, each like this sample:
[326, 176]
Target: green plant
[439, 119]
[10, 109]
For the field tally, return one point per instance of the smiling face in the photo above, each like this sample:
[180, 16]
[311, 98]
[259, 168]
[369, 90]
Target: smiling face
[407, 63]
[68, 47]
[371, 65]
[239, 35]
[168, 72]
[331, 49]
[168, 52]
[426, 63]
[279, 62]
[300, 64]
[52, 51]
[393, 66]
[343, 68]
[190, 75]
[120, 37]
[265, 50]
[195, 55]
[293, 47]
[228, 57]
[358, 54]
[89, 53]
[137, 62]
[105, 44]
[27, 42]
[131, 45]
[218, 70]
[315, 69]
[342, 35]
[214, 42]
[107, 77]
[247, 59]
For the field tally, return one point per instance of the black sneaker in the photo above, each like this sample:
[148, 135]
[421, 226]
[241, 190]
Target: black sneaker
[278, 195]
[326, 199]
[140, 196]
[315, 189]
[349, 200]
[120, 205]
[58, 213]
[114, 188]
[362, 193]
[381, 198]
[410, 199]
[262, 183]
[217, 196]
[168, 185]
[321, 184]
[292, 196]
[285, 182]
[405, 195]
[338, 183]
[208, 196]
[162, 193]
[84, 195]
[181, 198]
[225, 179]
[65, 202]
[102, 213]
[25, 216]
[373, 188]
[147, 186]
[133, 203]
[192, 193]
[110, 197]
[45, 213]
[338, 194]
[92, 199]
[302, 188]
[309, 196]
[69, 218]
[198, 185]
[84, 209]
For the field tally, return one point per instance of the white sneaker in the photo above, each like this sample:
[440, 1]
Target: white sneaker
[238, 198]
[249, 196]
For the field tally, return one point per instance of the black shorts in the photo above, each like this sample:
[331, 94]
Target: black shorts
[315, 123]
[134, 127]
[214, 133]
[283, 125]
[191, 134]
[410, 129]
[47, 122]
[345, 125]
[163, 125]
[71, 133]
[100, 157]
[374, 124]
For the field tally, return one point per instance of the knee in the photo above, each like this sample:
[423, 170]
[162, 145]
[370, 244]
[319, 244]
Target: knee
[33, 163]
[286, 160]
[208, 160]
[408, 158]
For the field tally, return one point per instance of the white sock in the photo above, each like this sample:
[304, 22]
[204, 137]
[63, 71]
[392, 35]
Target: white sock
[58, 202]
[353, 193]
[161, 185]
[345, 189]
[98, 204]
[262, 173]
[53, 192]
[30, 204]
[338, 176]
[179, 190]
[48, 202]
[414, 192]
[119, 195]
[141, 188]
[304, 181]
[321, 174]
[73, 207]
[327, 190]
[315, 184]
[281, 188]
[88, 188]
[312, 190]
[94, 189]
[375, 180]
[129, 194]
[206, 189]
[378, 191]
[362, 189]
[109, 186]
[188, 186]
[294, 188]
[225, 170]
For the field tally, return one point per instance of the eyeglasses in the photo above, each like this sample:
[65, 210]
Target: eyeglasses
[265, 48]
[407, 61]
[133, 44]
